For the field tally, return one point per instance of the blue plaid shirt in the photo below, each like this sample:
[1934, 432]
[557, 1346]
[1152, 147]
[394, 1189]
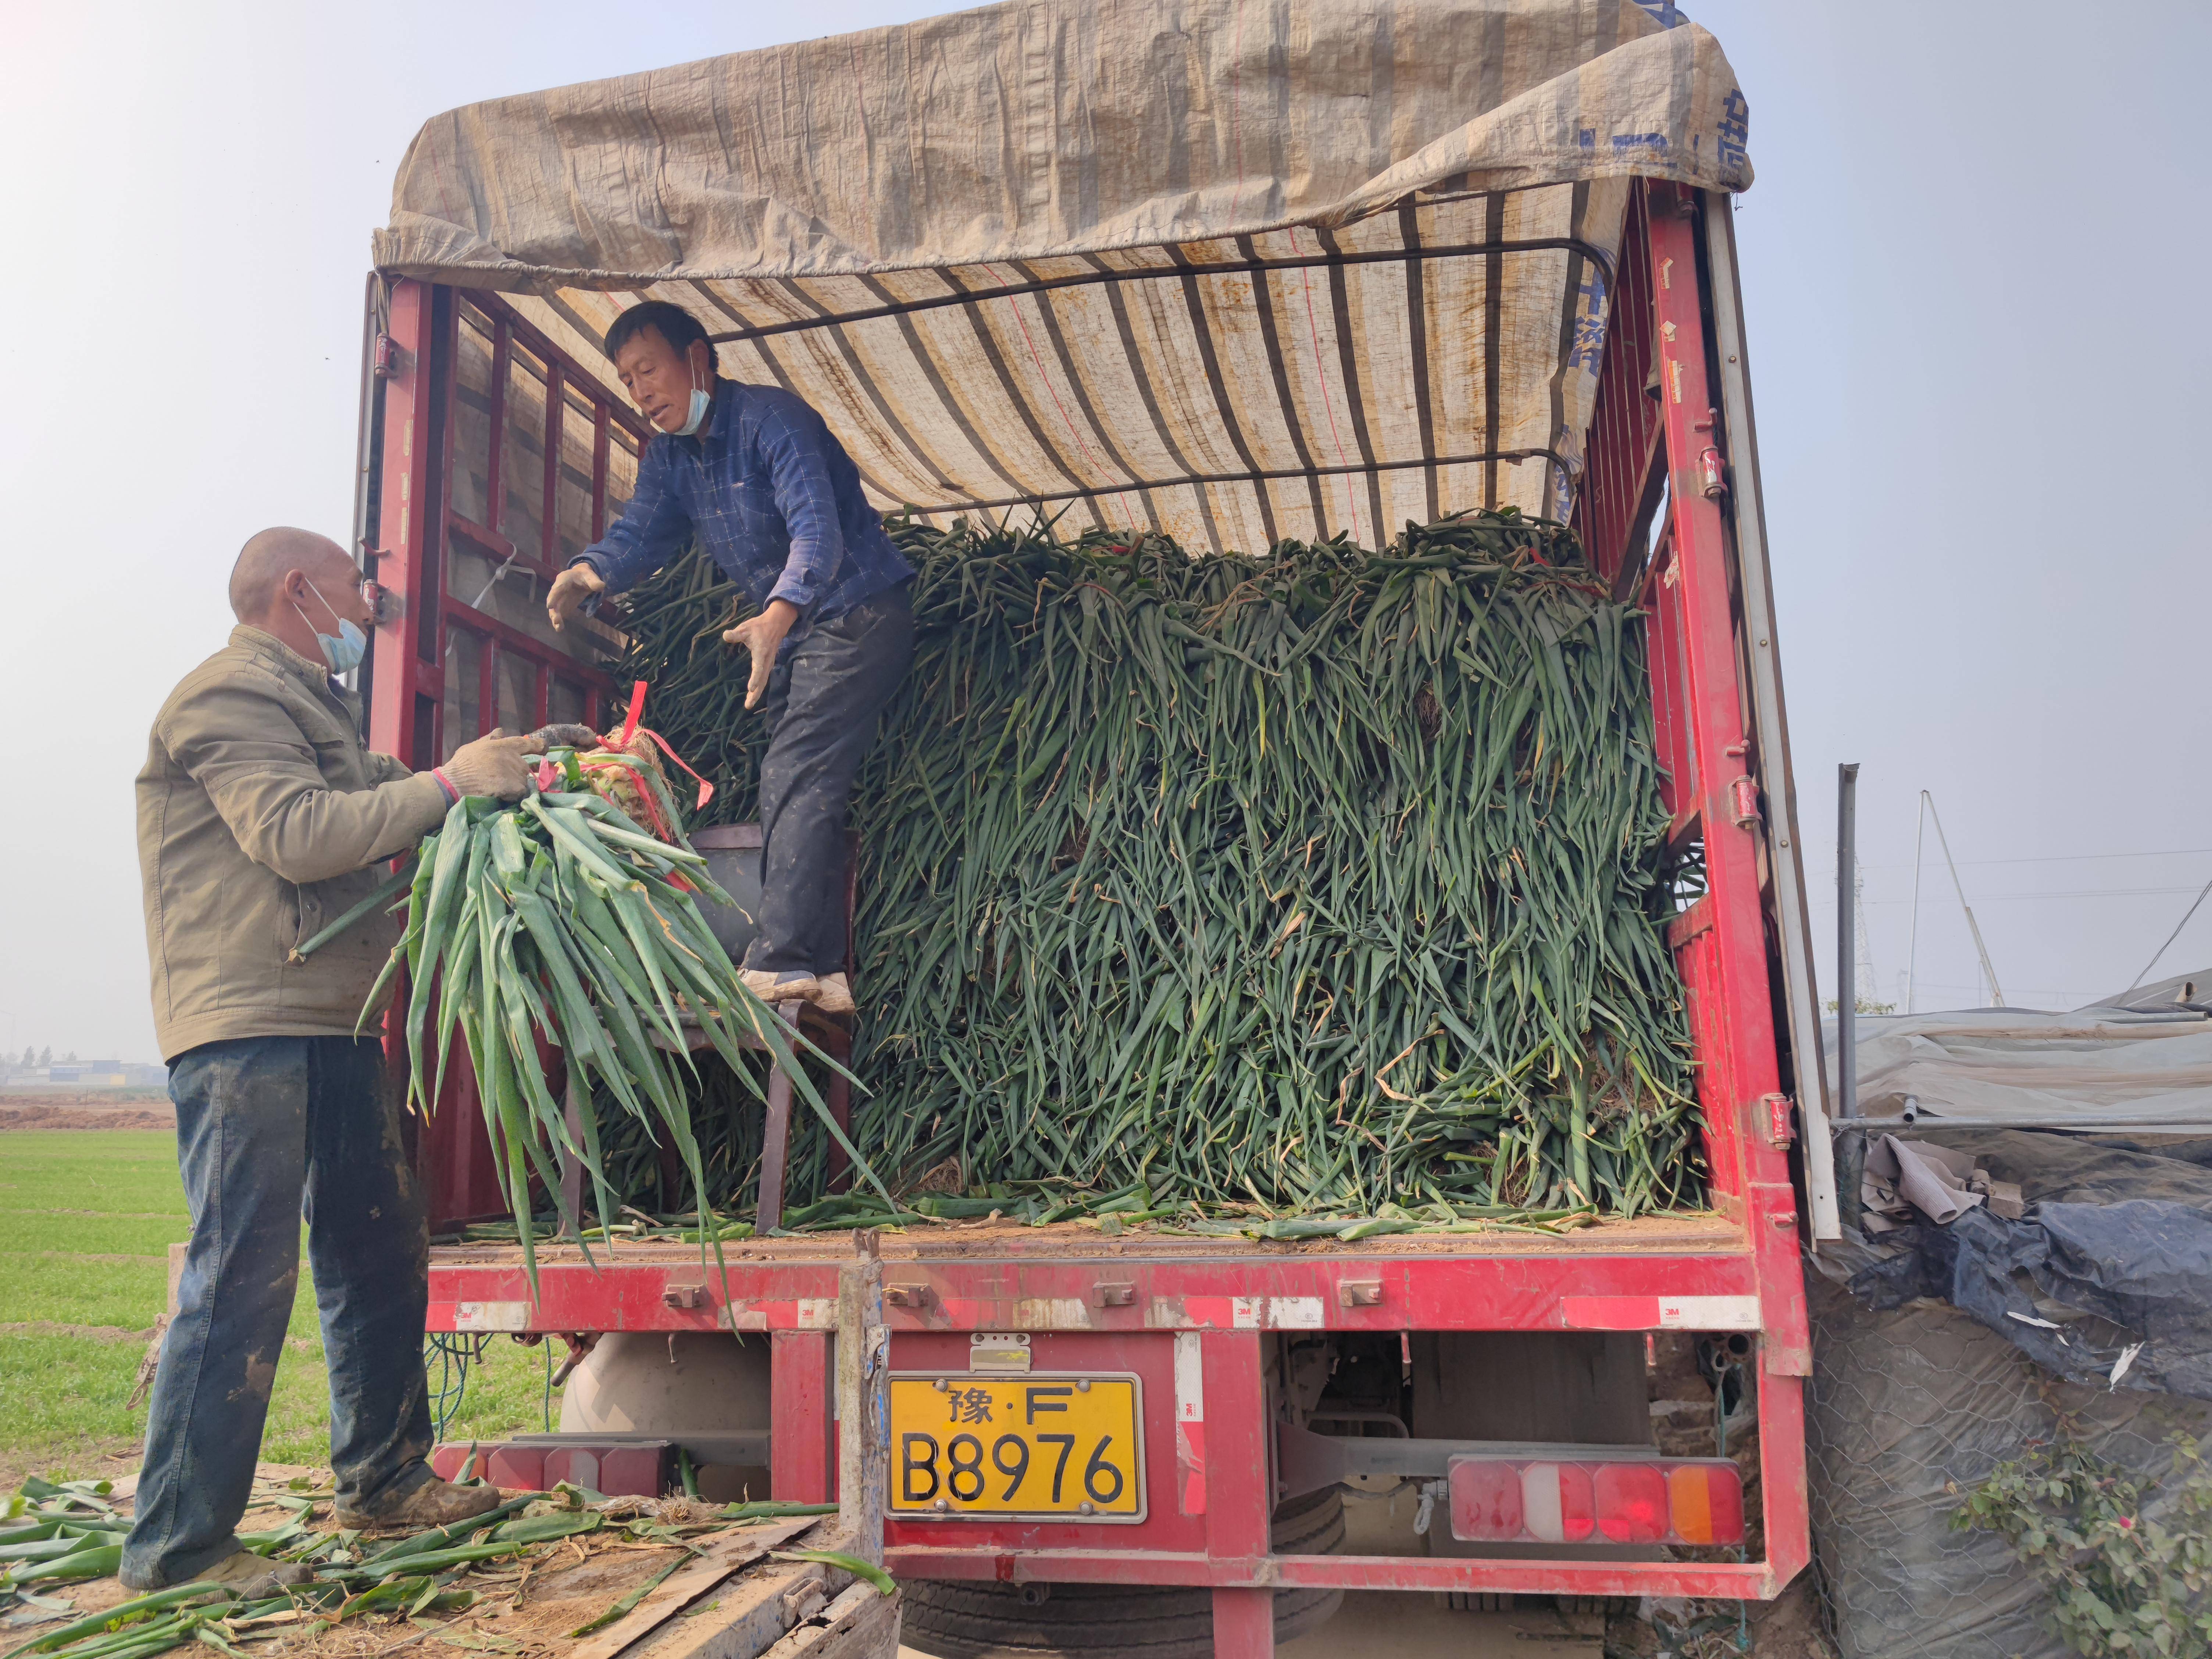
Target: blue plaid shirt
[771, 495]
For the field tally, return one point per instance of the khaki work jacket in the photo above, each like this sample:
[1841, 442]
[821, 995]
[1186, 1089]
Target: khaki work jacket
[262, 815]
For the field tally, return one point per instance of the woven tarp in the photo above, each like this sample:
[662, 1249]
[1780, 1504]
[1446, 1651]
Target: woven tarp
[1231, 269]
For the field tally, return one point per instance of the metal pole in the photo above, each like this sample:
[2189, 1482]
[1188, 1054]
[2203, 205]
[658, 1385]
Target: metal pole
[1912, 945]
[1847, 990]
[1989, 967]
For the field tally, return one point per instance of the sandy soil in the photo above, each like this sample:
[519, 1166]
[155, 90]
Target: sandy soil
[141, 1110]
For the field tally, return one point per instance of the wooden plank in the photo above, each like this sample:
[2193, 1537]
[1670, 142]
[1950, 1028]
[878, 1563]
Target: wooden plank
[863, 1402]
[748, 1618]
[863, 1623]
[680, 1591]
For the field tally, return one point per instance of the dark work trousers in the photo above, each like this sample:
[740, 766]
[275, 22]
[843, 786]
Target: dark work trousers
[264, 1126]
[821, 703]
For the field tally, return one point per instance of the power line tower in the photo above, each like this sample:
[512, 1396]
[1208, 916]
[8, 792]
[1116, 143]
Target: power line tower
[1865, 971]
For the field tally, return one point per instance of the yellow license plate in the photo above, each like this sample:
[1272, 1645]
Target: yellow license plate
[1040, 1445]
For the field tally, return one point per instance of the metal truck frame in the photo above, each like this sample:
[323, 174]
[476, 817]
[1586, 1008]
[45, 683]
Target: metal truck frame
[1668, 507]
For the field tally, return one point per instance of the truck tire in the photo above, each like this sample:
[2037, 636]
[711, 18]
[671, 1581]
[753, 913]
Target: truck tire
[960, 1618]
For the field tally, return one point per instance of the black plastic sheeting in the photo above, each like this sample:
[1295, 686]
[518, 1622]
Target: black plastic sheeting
[1910, 1410]
[2115, 1250]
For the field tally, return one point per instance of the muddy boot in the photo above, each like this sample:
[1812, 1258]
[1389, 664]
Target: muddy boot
[251, 1577]
[430, 1503]
[775, 989]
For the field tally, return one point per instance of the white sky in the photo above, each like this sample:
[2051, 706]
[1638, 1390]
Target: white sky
[1976, 354]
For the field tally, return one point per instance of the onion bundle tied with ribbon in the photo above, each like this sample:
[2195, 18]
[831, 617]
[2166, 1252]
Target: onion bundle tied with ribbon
[566, 926]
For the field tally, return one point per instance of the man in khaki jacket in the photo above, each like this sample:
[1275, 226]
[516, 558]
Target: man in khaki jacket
[262, 818]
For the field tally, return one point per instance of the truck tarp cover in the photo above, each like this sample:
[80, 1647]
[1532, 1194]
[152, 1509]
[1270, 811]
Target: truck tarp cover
[1373, 243]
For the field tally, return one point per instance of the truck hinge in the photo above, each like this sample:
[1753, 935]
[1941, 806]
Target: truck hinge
[386, 358]
[1774, 1120]
[1712, 473]
[1743, 798]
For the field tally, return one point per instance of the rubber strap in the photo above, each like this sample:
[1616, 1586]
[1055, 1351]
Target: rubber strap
[706, 789]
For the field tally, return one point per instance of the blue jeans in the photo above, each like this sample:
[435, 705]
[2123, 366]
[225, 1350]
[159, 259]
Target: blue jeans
[265, 1126]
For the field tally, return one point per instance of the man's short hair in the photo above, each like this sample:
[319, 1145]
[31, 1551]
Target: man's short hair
[271, 555]
[672, 323]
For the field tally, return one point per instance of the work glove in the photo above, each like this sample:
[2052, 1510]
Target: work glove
[570, 589]
[492, 766]
[562, 735]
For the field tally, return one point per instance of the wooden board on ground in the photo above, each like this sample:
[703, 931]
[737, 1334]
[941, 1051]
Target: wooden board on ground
[735, 1600]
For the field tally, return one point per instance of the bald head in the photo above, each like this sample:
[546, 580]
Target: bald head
[264, 564]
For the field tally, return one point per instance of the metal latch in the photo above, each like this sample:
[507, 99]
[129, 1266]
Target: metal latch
[908, 1296]
[1113, 1296]
[1359, 1293]
[683, 1296]
[385, 357]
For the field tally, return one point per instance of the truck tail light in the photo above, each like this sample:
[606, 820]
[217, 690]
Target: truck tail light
[1556, 1505]
[1508, 1500]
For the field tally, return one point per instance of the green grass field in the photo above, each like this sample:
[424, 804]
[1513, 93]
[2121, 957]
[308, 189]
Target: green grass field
[86, 1221]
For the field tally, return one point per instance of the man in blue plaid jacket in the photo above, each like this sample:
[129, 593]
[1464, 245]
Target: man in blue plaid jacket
[753, 474]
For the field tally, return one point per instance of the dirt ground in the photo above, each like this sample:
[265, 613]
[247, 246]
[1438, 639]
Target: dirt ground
[121, 1109]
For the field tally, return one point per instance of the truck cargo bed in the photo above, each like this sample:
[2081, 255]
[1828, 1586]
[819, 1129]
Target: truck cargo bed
[1695, 1271]
[1701, 1232]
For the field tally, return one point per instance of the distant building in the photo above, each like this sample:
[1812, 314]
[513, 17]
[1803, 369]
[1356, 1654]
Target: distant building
[101, 1074]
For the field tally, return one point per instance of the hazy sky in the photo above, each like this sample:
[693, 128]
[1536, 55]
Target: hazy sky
[1966, 259]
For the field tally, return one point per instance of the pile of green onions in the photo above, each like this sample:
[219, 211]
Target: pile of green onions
[1327, 883]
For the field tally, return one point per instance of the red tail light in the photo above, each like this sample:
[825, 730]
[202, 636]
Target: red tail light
[1499, 1500]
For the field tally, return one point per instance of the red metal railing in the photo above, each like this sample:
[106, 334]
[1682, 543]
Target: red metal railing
[501, 459]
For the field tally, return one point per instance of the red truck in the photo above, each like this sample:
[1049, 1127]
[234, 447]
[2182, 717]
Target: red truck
[1198, 1405]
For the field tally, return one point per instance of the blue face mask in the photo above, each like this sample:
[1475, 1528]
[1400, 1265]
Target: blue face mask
[343, 652]
[699, 402]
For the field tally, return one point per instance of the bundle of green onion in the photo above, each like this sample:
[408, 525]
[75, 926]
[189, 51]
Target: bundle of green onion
[558, 923]
[1323, 883]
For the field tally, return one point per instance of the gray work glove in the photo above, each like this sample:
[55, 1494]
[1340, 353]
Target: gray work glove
[562, 735]
[492, 765]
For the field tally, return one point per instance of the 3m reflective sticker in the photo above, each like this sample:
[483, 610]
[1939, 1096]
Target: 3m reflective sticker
[818, 1313]
[1052, 1313]
[491, 1316]
[1190, 1423]
[1237, 1313]
[1660, 1313]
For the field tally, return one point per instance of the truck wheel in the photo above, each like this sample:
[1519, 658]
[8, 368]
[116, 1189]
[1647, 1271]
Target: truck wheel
[959, 1619]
